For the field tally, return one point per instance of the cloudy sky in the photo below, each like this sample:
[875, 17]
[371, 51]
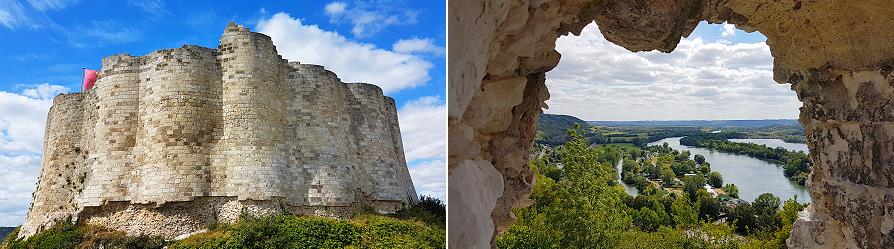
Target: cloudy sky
[718, 72]
[396, 44]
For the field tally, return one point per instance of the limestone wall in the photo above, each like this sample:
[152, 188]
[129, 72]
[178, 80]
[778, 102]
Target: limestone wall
[62, 174]
[173, 140]
[323, 147]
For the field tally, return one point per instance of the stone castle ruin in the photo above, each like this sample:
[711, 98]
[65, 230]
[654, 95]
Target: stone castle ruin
[169, 142]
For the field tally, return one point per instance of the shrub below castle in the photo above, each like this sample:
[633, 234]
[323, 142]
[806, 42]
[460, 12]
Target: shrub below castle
[420, 226]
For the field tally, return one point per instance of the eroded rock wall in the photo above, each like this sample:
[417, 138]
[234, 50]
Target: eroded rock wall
[508, 45]
[179, 138]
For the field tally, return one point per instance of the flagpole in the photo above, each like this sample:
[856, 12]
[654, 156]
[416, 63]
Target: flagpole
[83, 74]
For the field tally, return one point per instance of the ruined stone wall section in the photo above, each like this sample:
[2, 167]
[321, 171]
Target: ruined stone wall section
[372, 135]
[222, 130]
[849, 125]
[401, 170]
[179, 97]
[62, 173]
[323, 161]
[112, 158]
[253, 115]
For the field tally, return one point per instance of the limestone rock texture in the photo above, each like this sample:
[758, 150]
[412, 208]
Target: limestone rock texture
[837, 55]
[169, 142]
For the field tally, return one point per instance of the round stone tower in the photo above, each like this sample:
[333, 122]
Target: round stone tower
[253, 114]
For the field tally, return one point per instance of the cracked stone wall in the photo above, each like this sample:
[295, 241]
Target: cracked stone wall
[168, 142]
[836, 55]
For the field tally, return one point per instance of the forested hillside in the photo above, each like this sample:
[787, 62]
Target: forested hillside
[551, 128]
[578, 203]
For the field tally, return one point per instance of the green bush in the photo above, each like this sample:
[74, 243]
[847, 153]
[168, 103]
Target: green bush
[419, 226]
[66, 235]
[61, 235]
[429, 210]
[384, 232]
[289, 231]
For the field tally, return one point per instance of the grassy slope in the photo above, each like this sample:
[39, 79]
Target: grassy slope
[420, 226]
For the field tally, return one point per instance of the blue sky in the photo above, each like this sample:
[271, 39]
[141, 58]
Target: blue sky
[398, 45]
[718, 72]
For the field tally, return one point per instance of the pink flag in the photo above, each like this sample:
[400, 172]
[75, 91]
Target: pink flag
[90, 78]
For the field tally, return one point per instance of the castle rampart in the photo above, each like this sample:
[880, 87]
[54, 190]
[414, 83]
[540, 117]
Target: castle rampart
[168, 142]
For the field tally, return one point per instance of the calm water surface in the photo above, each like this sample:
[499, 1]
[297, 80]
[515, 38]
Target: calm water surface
[753, 177]
[773, 143]
[631, 190]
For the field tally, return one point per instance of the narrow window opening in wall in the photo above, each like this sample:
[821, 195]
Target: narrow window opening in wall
[699, 145]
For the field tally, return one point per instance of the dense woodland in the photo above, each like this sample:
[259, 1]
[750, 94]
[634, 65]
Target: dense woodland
[795, 163]
[578, 203]
[551, 130]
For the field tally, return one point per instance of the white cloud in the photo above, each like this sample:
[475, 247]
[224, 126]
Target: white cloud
[19, 179]
[43, 5]
[729, 30]
[352, 61]
[598, 80]
[418, 45]
[423, 126]
[370, 17]
[22, 118]
[13, 15]
[155, 7]
[335, 8]
[22, 121]
[98, 33]
[429, 178]
[44, 91]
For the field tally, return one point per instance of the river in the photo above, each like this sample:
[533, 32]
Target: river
[631, 190]
[773, 143]
[753, 177]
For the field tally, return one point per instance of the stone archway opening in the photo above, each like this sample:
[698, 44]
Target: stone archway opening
[715, 73]
[838, 56]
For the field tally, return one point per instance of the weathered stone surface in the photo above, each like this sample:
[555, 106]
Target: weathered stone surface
[835, 53]
[170, 141]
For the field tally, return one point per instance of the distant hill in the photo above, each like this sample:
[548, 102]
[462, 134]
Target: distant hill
[551, 128]
[5, 231]
[701, 123]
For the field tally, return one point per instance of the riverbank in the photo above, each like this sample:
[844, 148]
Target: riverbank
[752, 176]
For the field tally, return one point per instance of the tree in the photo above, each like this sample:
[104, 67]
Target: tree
[691, 185]
[667, 176]
[690, 166]
[630, 166]
[699, 159]
[646, 219]
[742, 216]
[683, 212]
[705, 167]
[731, 190]
[765, 207]
[787, 215]
[709, 207]
[766, 203]
[715, 179]
[555, 218]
